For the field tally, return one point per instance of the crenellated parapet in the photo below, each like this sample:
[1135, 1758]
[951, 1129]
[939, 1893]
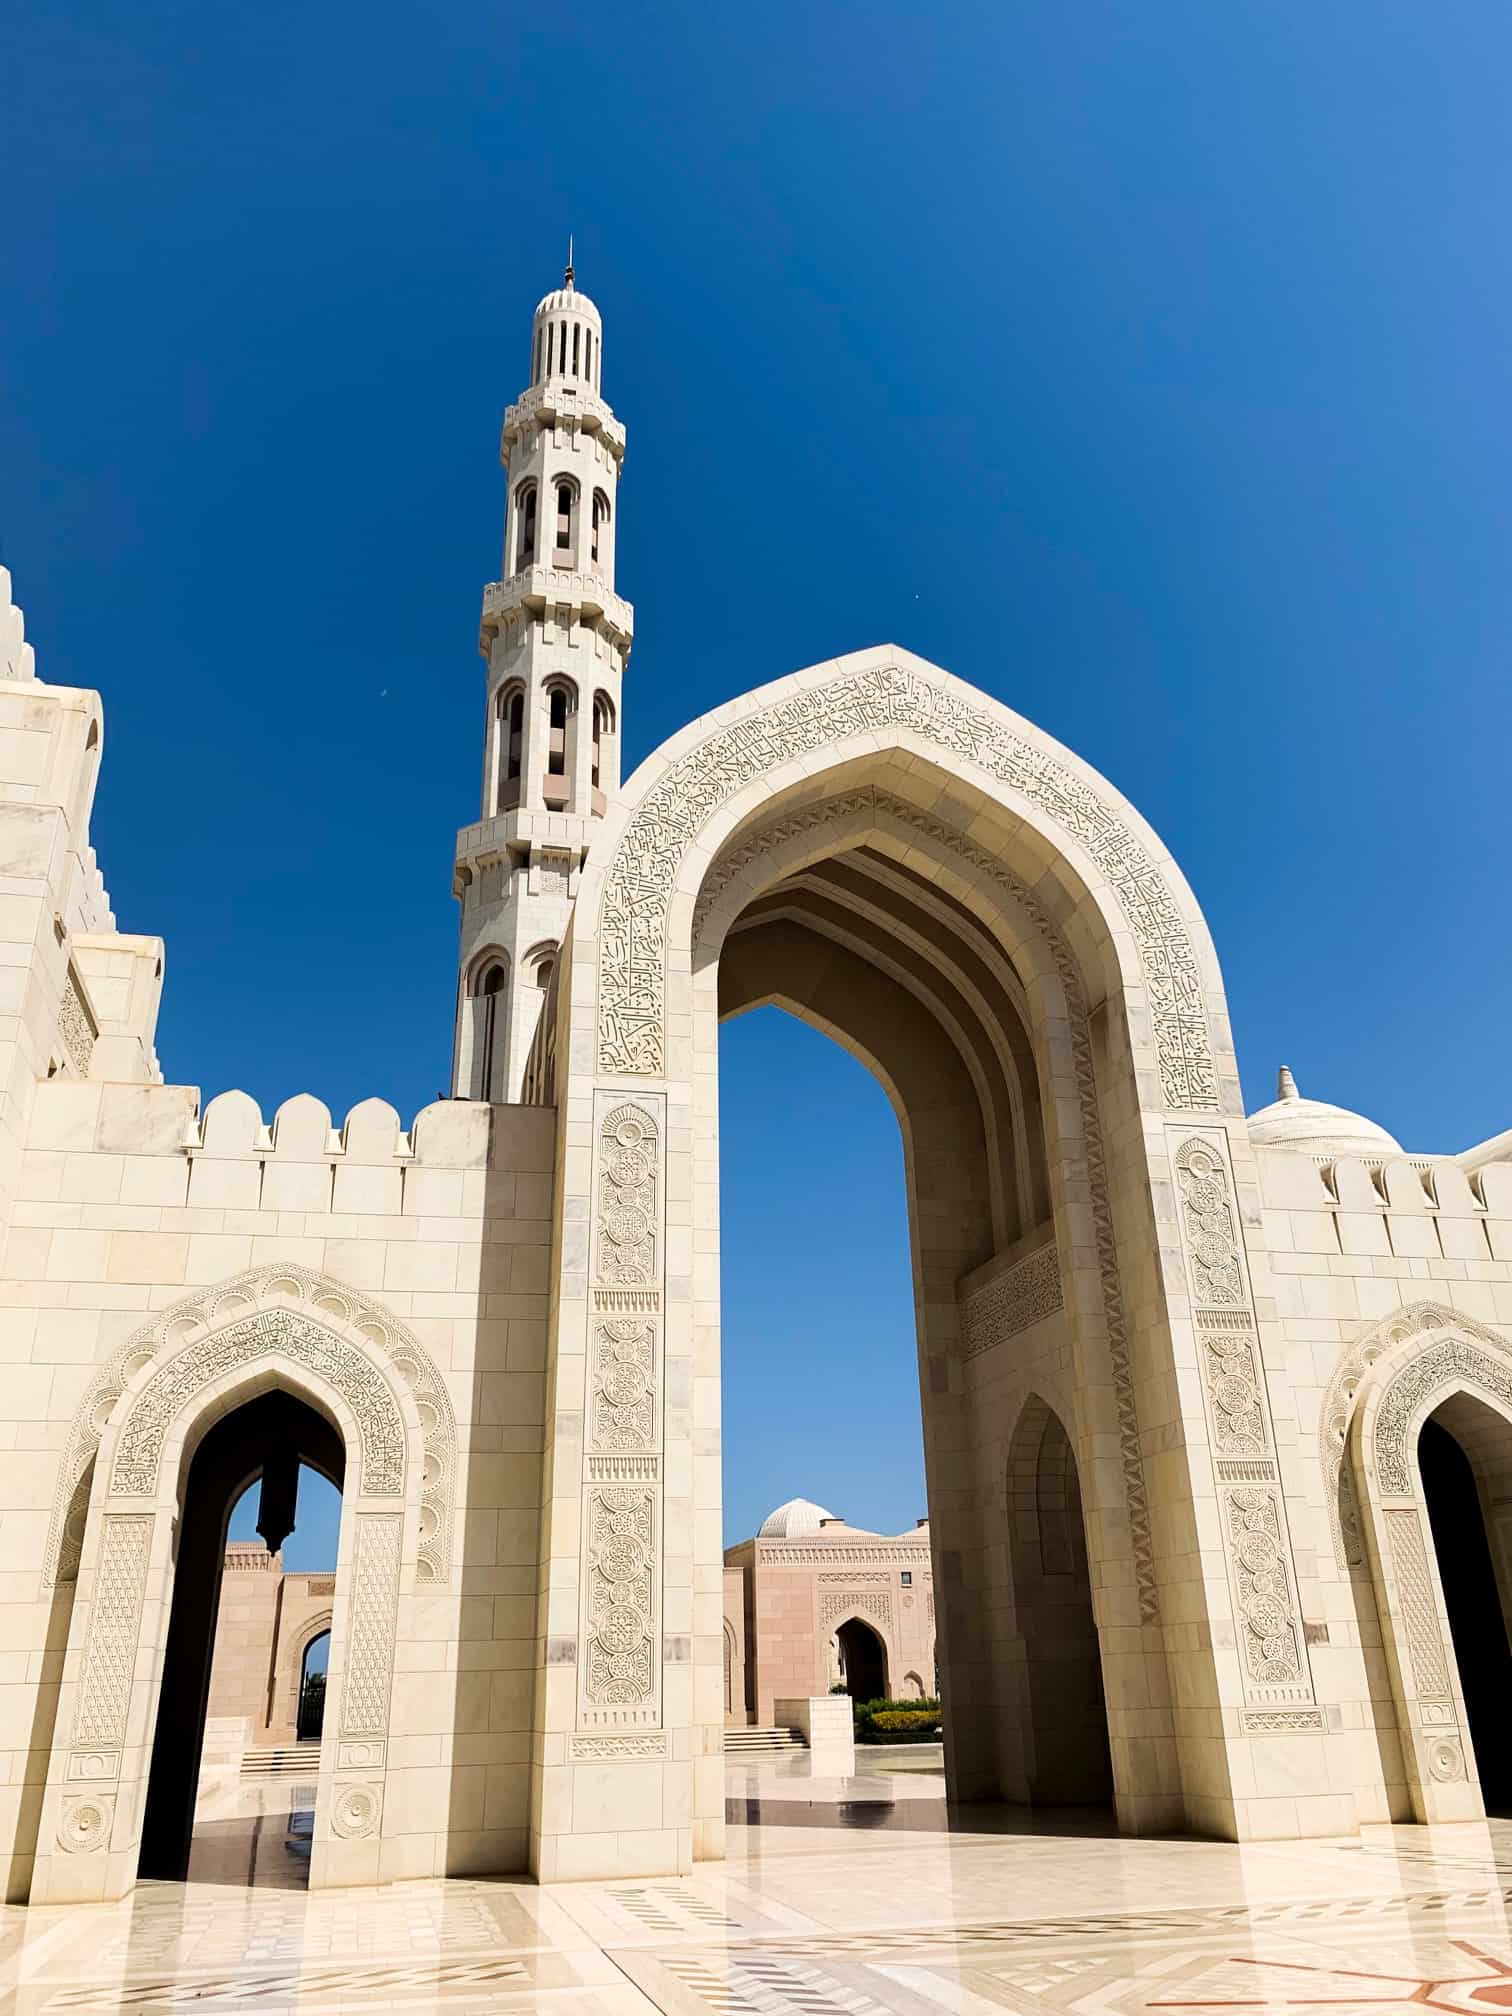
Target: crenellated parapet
[1394, 1207]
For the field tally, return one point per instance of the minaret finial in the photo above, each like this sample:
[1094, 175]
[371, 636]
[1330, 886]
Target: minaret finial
[567, 276]
[1286, 1085]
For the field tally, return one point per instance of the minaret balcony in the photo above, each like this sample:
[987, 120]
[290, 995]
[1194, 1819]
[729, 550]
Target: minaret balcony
[513, 836]
[555, 594]
[557, 400]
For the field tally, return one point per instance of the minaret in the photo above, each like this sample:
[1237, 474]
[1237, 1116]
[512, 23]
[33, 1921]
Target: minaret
[555, 637]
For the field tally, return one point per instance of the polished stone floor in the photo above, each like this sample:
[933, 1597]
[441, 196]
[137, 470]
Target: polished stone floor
[839, 1898]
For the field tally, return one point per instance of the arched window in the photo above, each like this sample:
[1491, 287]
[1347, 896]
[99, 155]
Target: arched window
[525, 513]
[560, 700]
[489, 980]
[566, 498]
[543, 972]
[550, 346]
[588, 356]
[577, 337]
[509, 746]
[603, 726]
[599, 538]
[535, 359]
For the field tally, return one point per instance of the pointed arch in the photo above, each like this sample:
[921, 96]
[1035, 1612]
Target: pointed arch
[350, 1318]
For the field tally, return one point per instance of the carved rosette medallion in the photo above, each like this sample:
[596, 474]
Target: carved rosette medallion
[619, 1680]
[642, 876]
[1256, 1538]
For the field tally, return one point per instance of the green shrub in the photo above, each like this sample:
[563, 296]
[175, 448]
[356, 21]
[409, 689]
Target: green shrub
[897, 1721]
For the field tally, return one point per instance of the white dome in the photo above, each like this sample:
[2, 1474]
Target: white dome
[1312, 1127]
[794, 1521]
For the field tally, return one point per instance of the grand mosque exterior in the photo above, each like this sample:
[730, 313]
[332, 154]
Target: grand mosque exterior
[1202, 1395]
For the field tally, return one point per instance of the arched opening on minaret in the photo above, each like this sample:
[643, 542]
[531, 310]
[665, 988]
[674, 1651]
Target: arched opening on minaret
[566, 524]
[525, 518]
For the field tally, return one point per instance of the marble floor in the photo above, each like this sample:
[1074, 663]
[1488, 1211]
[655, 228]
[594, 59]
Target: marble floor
[848, 1897]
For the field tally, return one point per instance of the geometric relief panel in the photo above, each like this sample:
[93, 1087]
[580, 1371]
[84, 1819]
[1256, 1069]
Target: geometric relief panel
[372, 1626]
[115, 1629]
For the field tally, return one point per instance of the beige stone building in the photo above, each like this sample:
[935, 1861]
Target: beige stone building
[1202, 1396]
[812, 1603]
[267, 1622]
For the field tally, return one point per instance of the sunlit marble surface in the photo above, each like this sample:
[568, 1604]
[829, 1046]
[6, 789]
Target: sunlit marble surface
[839, 1898]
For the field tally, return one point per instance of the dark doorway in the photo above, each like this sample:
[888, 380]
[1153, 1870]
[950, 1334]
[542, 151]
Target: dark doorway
[268, 1438]
[1476, 1621]
[863, 1661]
[1066, 1757]
[312, 1690]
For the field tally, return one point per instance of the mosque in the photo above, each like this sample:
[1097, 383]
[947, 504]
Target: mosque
[1217, 1411]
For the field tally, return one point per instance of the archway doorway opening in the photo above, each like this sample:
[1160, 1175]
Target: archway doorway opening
[873, 950]
[310, 1715]
[863, 1661]
[1065, 1758]
[1465, 1459]
[258, 1451]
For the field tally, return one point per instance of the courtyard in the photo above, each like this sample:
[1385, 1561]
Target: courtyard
[855, 1895]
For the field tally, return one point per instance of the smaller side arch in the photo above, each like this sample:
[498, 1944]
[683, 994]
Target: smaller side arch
[1429, 1356]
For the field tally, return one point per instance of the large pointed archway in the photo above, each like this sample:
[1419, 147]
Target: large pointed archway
[983, 920]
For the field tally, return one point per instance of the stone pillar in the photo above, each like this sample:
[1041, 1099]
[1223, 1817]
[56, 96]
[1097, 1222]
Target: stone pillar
[828, 1725]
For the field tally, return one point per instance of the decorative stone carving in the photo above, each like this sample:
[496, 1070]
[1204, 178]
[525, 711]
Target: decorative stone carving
[619, 1627]
[1273, 1654]
[84, 1824]
[1418, 1606]
[372, 1626]
[284, 1333]
[642, 876]
[355, 1811]
[598, 1749]
[1443, 1362]
[894, 811]
[357, 1324]
[1026, 1293]
[627, 1241]
[624, 1403]
[1256, 1538]
[115, 1632]
[1212, 1239]
[875, 1608]
[76, 1029]
[1281, 1721]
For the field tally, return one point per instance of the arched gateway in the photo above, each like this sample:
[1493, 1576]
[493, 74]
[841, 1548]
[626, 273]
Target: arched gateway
[1189, 1457]
[998, 935]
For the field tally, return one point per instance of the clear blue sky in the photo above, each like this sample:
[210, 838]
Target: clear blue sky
[1146, 365]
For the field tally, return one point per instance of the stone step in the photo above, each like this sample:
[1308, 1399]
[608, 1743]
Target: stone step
[282, 1761]
[762, 1742]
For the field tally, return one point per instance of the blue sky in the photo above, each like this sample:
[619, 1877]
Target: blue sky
[1145, 365]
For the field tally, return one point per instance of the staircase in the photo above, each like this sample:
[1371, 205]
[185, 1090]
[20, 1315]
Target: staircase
[762, 1742]
[288, 1760]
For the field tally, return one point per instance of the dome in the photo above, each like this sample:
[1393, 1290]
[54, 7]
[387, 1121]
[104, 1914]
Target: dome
[1312, 1127]
[568, 301]
[797, 1520]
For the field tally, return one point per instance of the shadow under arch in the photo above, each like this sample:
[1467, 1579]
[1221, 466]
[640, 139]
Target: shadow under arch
[1064, 1756]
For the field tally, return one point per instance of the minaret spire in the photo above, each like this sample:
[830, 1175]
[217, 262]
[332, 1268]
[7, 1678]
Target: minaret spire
[555, 637]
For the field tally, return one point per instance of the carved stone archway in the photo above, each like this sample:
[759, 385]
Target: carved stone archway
[198, 1361]
[966, 824]
[1428, 1355]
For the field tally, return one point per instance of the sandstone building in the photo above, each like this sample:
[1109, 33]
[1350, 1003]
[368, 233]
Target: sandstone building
[1201, 1395]
[812, 1603]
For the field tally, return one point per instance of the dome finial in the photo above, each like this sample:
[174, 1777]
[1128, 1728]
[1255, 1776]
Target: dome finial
[567, 276]
[1286, 1085]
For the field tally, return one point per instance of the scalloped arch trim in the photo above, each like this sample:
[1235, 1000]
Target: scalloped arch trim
[1417, 1320]
[269, 1310]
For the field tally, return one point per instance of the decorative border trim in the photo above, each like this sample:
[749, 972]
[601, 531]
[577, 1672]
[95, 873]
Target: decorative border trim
[642, 876]
[368, 1327]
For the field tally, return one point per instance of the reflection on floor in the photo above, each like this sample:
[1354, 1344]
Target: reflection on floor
[831, 1904]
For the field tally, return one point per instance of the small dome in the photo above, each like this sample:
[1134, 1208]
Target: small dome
[796, 1520]
[1312, 1127]
[568, 301]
